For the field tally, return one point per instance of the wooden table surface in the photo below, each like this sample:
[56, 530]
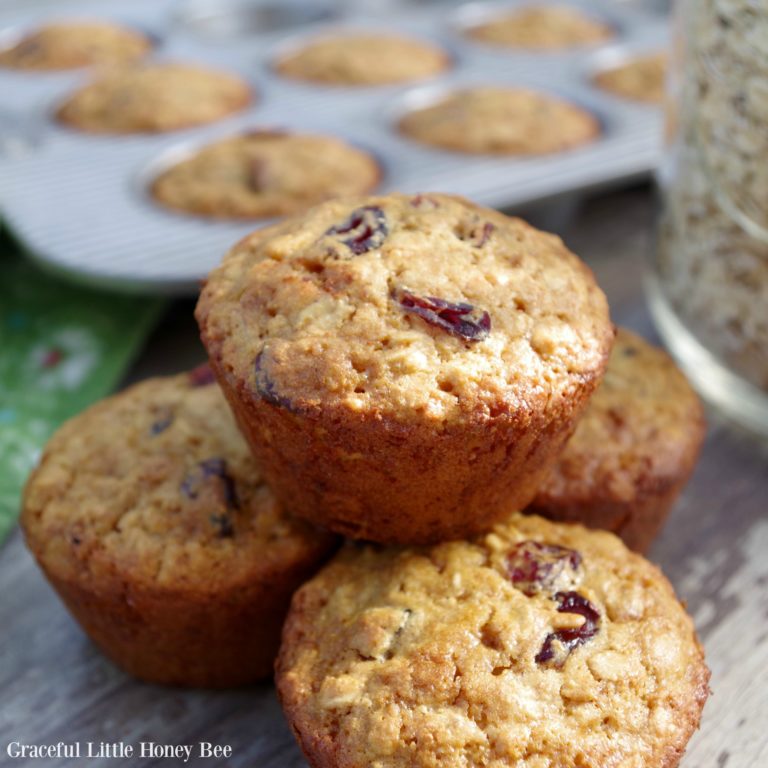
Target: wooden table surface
[55, 686]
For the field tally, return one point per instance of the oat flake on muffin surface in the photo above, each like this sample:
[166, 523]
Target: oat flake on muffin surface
[363, 59]
[266, 173]
[153, 98]
[538, 645]
[501, 120]
[73, 44]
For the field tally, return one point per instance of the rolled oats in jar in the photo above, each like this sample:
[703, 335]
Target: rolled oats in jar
[710, 292]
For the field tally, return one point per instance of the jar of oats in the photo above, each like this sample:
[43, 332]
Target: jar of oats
[709, 290]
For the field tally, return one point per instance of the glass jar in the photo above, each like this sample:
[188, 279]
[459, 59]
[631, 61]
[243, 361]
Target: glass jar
[709, 289]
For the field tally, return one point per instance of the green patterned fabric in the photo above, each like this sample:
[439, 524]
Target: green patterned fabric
[61, 348]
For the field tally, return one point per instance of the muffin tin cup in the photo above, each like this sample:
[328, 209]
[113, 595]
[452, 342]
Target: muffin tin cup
[79, 200]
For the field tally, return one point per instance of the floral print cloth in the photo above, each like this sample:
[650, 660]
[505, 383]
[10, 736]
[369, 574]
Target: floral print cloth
[61, 348]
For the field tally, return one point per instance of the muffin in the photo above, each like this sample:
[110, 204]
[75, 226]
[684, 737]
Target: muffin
[536, 646]
[363, 59]
[154, 98]
[69, 45]
[503, 121]
[265, 173]
[632, 452]
[640, 79]
[547, 28]
[406, 369]
[150, 519]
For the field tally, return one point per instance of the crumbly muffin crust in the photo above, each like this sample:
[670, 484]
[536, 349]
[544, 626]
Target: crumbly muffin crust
[505, 121]
[633, 450]
[640, 79]
[149, 516]
[547, 28]
[400, 353]
[266, 173]
[73, 44]
[536, 646]
[364, 59]
[154, 98]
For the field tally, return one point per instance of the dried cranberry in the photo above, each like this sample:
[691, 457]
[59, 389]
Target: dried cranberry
[201, 376]
[461, 319]
[162, 422]
[224, 524]
[535, 567]
[216, 468]
[265, 387]
[568, 639]
[365, 229]
[485, 234]
[475, 232]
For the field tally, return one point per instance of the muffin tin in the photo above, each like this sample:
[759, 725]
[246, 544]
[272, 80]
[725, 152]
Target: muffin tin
[80, 202]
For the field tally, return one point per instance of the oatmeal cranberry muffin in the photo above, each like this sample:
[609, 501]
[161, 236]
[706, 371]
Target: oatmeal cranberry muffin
[641, 79]
[406, 369]
[633, 451]
[266, 173]
[545, 28]
[363, 59]
[499, 120]
[536, 646]
[154, 98]
[150, 519]
[69, 45]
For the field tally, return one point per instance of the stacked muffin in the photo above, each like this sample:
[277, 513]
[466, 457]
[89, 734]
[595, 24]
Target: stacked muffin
[406, 371]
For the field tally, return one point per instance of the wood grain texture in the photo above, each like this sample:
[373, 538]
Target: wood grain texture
[55, 686]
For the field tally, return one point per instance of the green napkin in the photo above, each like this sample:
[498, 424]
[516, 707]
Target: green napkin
[61, 348]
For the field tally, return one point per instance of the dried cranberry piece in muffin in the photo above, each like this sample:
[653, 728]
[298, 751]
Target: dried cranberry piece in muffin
[476, 232]
[534, 567]
[224, 524]
[266, 387]
[458, 319]
[216, 468]
[567, 639]
[163, 421]
[201, 376]
[365, 229]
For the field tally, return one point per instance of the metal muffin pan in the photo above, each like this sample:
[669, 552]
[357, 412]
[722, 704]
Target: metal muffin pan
[80, 201]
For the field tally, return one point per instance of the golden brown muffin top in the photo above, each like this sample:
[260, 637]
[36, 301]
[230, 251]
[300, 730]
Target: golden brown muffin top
[420, 307]
[535, 646]
[154, 98]
[640, 433]
[68, 45]
[642, 78]
[157, 487]
[266, 173]
[498, 120]
[363, 59]
[551, 27]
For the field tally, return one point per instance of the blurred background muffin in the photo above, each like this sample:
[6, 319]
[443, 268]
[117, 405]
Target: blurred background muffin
[265, 173]
[72, 44]
[154, 98]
